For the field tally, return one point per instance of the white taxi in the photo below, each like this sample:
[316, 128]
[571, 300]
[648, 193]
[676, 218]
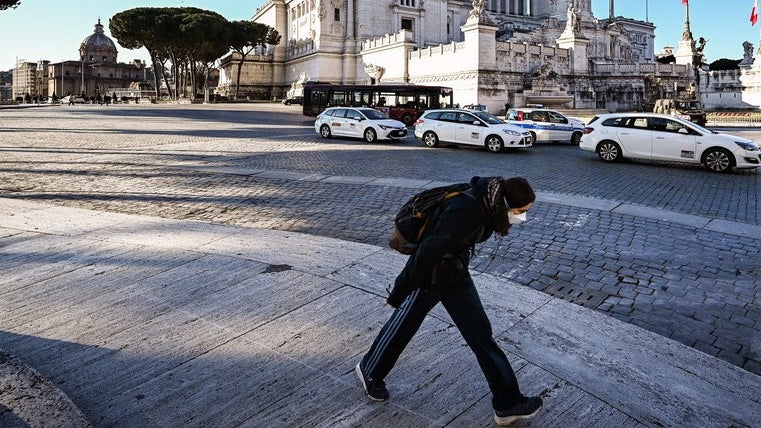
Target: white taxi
[461, 126]
[660, 137]
[359, 122]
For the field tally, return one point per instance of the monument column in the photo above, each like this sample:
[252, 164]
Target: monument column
[480, 33]
[686, 49]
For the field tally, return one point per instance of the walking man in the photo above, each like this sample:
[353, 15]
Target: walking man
[438, 272]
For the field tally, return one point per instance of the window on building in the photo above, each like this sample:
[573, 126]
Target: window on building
[408, 3]
[407, 24]
[337, 14]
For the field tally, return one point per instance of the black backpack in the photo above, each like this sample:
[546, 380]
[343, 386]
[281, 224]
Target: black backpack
[413, 217]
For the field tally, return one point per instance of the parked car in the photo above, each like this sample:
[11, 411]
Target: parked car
[546, 125]
[293, 100]
[476, 107]
[661, 137]
[366, 123]
[461, 126]
[72, 99]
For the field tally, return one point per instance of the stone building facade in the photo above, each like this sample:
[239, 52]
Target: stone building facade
[551, 52]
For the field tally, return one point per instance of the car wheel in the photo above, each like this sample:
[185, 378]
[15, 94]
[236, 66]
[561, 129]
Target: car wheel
[325, 131]
[533, 137]
[407, 119]
[430, 139]
[494, 144]
[287, 103]
[718, 160]
[370, 135]
[609, 151]
[576, 138]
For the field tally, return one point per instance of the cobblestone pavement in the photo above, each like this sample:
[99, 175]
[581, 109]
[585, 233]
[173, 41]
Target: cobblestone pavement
[264, 166]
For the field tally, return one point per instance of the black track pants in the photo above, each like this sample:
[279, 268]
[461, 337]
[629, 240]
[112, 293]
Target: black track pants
[464, 306]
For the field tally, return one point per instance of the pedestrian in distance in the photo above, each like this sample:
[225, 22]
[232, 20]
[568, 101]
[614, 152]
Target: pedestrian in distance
[437, 271]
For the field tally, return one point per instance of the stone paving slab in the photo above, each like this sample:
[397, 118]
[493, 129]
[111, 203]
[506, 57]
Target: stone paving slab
[252, 327]
[663, 215]
[654, 380]
[734, 228]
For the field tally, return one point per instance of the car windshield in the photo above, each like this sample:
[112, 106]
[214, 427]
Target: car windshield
[688, 105]
[695, 126]
[486, 117]
[373, 114]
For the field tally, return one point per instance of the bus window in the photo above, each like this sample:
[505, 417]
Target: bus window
[360, 99]
[406, 99]
[403, 102]
[424, 102]
[337, 98]
[315, 104]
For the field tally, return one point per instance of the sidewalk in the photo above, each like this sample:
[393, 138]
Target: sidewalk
[144, 321]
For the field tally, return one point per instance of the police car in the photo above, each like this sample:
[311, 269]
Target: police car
[546, 125]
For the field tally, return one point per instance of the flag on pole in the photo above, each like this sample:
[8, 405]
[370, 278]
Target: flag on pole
[754, 13]
[684, 2]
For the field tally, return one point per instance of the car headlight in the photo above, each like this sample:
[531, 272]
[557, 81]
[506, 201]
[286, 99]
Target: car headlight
[751, 147]
[385, 127]
[509, 132]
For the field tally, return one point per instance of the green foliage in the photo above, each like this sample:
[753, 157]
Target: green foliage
[273, 37]
[246, 35]
[187, 36]
[9, 4]
[724, 64]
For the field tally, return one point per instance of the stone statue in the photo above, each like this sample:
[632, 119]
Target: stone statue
[478, 8]
[697, 58]
[747, 50]
[572, 25]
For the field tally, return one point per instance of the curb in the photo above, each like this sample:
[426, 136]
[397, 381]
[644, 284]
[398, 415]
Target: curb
[27, 399]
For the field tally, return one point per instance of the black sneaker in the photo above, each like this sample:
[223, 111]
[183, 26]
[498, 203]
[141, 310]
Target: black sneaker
[374, 389]
[527, 409]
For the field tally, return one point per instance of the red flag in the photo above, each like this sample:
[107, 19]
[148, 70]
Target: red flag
[754, 14]
[684, 2]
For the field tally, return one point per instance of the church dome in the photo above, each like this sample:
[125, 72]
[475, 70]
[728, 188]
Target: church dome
[97, 47]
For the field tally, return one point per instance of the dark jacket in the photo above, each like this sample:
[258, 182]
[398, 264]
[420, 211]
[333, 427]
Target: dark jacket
[443, 255]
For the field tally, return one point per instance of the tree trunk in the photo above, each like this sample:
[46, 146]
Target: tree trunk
[193, 84]
[166, 82]
[156, 80]
[237, 79]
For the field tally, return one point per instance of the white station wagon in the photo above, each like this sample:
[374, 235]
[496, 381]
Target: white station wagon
[469, 127]
[361, 122]
[666, 138]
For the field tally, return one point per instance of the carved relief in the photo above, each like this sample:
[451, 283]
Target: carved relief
[321, 11]
[375, 71]
[553, 7]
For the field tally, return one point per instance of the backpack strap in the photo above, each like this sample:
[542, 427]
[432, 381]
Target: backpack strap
[446, 197]
[481, 229]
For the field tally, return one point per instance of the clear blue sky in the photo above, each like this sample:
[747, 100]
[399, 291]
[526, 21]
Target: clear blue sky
[53, 29]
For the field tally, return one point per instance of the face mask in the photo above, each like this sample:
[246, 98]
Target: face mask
[515, 218]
